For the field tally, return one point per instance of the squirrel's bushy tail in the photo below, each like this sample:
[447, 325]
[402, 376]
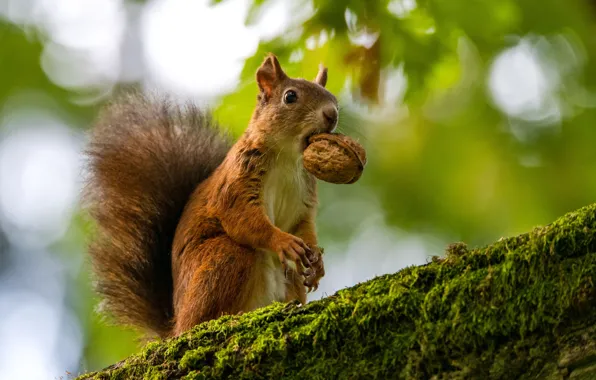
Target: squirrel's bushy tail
[145, 158]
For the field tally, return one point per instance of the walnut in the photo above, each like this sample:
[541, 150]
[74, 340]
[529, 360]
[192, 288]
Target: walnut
[334, 158]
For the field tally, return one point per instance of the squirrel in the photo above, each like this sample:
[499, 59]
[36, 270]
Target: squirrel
[192, 226]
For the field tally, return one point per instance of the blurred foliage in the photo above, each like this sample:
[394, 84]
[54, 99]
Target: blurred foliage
[450, 162]
[444, 158]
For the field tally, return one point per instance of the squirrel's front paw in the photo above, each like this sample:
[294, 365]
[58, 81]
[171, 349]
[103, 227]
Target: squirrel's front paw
[316, 271]
[290, 247]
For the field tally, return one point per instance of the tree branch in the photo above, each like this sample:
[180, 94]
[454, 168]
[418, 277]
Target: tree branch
[522, 307]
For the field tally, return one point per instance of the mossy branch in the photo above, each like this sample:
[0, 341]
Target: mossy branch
[522, 307]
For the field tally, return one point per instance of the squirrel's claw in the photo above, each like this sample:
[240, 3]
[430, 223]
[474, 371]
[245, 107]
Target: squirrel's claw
[316, 271]
[293, 248]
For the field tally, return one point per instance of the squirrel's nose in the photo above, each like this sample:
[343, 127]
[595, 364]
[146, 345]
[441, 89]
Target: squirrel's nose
[330, 116]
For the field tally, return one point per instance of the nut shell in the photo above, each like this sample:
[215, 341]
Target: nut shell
[334, 158]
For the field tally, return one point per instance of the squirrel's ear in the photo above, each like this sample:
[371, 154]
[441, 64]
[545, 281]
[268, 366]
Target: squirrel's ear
[321, 76]
[270, 74]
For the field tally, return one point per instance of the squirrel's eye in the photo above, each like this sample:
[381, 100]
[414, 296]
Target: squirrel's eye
[290, 97]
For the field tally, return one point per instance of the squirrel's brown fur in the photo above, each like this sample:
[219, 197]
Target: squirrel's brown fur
[146, 156]
[191, 227]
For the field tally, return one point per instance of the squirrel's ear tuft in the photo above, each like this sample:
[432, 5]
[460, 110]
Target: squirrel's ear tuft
[321, 76]
[270, 74]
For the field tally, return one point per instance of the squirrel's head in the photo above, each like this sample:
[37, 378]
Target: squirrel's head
[292, 109]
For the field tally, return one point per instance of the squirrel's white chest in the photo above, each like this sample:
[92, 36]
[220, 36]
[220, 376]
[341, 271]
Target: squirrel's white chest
[284, 194]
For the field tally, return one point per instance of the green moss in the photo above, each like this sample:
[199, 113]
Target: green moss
[496, 312]
[154, 374]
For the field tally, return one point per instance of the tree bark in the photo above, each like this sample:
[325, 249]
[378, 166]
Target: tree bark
[521, 308]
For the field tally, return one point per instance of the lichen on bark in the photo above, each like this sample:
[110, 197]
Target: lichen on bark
[522, 307]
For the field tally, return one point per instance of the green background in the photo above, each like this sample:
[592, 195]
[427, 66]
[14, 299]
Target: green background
[446, 162]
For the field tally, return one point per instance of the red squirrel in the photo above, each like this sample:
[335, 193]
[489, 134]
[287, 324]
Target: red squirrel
[191, 226]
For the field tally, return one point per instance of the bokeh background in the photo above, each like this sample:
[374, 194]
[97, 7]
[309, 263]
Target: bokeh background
[478, 117]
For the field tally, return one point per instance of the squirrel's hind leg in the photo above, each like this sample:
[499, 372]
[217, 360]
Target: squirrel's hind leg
[295, 289]
[218, 285]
